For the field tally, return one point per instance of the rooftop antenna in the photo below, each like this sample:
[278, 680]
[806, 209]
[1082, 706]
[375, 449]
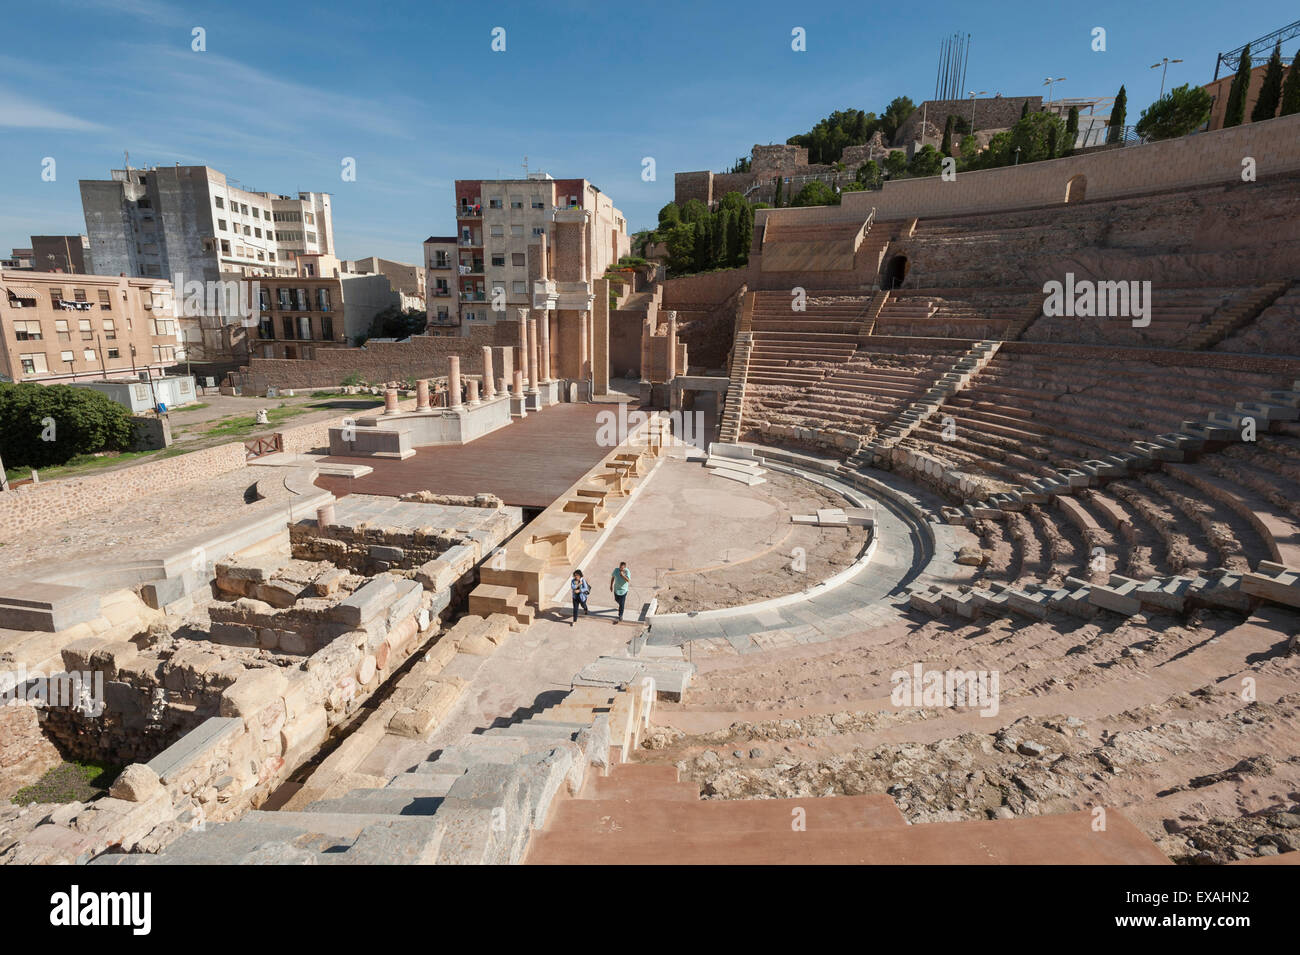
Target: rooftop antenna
[525, 165]
[126, 156]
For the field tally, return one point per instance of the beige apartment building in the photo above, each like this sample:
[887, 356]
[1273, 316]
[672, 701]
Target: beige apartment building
[408, 281]
[57, 327]
[499, 222]
[441, 285]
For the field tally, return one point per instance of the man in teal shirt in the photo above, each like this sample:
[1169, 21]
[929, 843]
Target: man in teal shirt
[618, 583]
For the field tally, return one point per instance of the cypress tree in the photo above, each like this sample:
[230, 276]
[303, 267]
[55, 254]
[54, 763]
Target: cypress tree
[1270, 92]
[1118, 114]
[1235, 111]
[776, 200]
[1071, 129]
[1024, 109]
[945, 147]
[1291, 88]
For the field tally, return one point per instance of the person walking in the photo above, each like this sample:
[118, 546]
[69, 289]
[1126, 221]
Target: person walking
[579, 588]
[618, 583]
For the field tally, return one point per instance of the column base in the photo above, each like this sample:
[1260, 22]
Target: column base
[550, 392]
[533, 401]
[517, 407]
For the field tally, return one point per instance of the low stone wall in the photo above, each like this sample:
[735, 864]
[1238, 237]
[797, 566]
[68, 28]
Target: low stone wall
[32, 506]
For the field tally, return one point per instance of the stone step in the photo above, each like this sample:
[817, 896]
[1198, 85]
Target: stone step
[382, 802]
[754, 816]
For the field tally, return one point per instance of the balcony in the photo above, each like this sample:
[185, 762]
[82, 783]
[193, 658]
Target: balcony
[442, 293]
[469, 212]
[471, 242]
[471, 268]
[473, 296]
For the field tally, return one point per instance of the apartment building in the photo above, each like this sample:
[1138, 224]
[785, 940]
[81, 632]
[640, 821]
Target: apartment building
[441, 282]
[407, 280]
[56, 327]
[320, 307]
[498, 222]
[18, 259]
[61, 253]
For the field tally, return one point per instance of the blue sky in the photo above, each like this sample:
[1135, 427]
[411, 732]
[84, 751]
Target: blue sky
[414, 92]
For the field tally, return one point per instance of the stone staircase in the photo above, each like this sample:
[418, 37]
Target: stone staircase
[1237, 315]
[970, 364]
[733, 410]
[872, 312]
[1017, 328]
[487, 599]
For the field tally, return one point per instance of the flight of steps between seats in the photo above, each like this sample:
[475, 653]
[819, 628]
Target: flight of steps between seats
[733, 410]
[643, 814]
[970, 364]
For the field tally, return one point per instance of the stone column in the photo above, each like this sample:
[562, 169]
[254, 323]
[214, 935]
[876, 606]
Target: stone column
[521, 357]
[518, 383]
[583, 344]
[544, 326]
[473, 391]
[489, 391]
[325, 515]
[501, 386]
[453, 383]
[533, 378]
[390, 401]
[671, 361]
[422, 394]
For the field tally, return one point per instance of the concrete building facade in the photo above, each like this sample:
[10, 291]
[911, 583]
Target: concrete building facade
[61, 253]
[56, 327]
[441, 284]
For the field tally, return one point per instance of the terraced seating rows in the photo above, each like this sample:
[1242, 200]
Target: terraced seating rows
[1178, 317]
[956, 313]
[797, 347]
[1274, 331]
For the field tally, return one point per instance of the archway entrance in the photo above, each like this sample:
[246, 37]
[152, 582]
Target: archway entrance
[895, 272]
[1075, 188]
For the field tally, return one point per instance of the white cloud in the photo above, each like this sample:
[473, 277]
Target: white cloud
[21, 113]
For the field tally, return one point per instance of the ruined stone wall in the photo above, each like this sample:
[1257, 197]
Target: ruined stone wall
[707, 288]
[422, 356]
[1212, 158]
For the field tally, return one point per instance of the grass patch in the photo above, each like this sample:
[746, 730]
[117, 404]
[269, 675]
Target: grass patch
[241, 426]
[68, 782]
[82, 463]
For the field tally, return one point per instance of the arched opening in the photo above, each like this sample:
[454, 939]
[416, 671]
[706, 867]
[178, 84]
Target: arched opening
[895, 272]
[1075, 188]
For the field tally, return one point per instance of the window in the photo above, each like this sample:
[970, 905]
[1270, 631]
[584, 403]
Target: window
[221, 224]
[304, 327]
[56, 296]
[79, 294]
[498, 230]
[65, 356]
[538, 231]
[311, 237]
[323, 300]
[27, 331]
[87, 334]
[243, 209]
[302, 303]
[61, 329]
[34, 364]
[494, 203]
[88, 354]
[517, 231]
[257, 213]
[308, 218]
[498, 258]
[286, 323]
[517, 260]
[519, 288]
[257, 233]
[327, 327]
[110, 329]
[538, 204]
[516, 204]
[283, 295]
[164, 328]
[164, 353]
[247, 231]
[225, 247]
[221, 203]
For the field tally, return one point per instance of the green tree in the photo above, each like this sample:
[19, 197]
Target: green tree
[825, 142]
[1024, 109]
[693, 211]
[669, 216]
[896, 163]
[1270, 91]
[815, 194]
[1034, 136]
[1071, 129]
[776, 200]
[46, 425]
[1235, 111]
[1291, 88]
[945, 146]
[1118, 117]
[1177, 113]
[899, 108]
[926, 162]
[869, 174]
[679, 243]
[392, 322]
[969, 149]
[702, 255]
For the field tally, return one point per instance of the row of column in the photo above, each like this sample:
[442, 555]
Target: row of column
[491, 385]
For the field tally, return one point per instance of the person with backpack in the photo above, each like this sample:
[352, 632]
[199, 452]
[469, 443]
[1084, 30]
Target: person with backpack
[619, 581]
[579, 588]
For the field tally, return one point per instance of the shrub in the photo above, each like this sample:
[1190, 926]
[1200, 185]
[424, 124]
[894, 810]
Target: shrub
[46, 425]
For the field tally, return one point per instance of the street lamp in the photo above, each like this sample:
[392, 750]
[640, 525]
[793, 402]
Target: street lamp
[1163, 66]
[1049, 82]
[972, 94]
